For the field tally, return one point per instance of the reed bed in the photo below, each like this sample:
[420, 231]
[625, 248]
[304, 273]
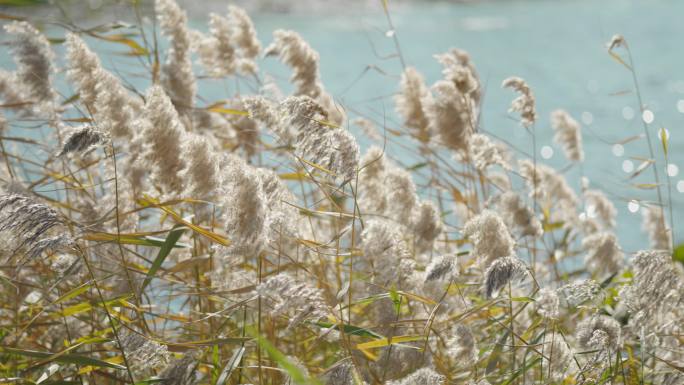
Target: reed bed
[153, 236]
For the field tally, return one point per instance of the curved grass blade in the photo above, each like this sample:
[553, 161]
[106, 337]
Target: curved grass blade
[169, 243]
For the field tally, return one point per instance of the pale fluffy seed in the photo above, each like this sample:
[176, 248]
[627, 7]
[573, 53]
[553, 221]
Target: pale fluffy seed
[546, 303]
[450, 118]
[599, 332]
[603, 253]
[558, 358]
[34, 58]
[427, 224]
[501, 272]
[459, 69]
[294, 51]
[599, 205]
[163, 135]
[653, 224]
[409, 102]
[288, 296]
[462, 347]
[486, 153]
[201, 171]
[244, 206]
[114, 109]
[490, 237]
[332, 148]
[519, 216]
[568, 134]
[216, 51]
[551, 190]
[245, 39]
[524, 103]
[424, 376]
[177, 75]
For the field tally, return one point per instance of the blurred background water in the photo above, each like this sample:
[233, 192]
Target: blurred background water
[558, 46]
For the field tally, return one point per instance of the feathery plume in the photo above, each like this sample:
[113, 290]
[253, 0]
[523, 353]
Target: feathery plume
[486, 153]
[427, 224]
[599, 332]
[163, 135]
[655, 276]
[181, 371]
[245, 38]
[424, 376]
[557, 359]
[81, 140]
[142, 353]
[34, 58]
[368, 128]
[10, 90]
[518, 215]
[442, 268]
[341, 373]
[462, 347]
[490, 237]
[551, 189]
[282, 216]
[450, 118]
[114, 110]
[84, 69]
[603, 253]
[177, 76]
[334, 149]
[523, 104]
[501, 272]
[547, 303]
[581, 291]
[244, 207]
[459, 69]
[269, 114]
[201, 168]
[294, 51]
[653, 224]
[30, 228]
[401, 195]
[290, 296]
[372, 188]
[409, 102]
[568, 135]
[598, 205]
[216, 52]
[247, 131]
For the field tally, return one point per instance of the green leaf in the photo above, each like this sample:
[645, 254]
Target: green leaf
[64, 358]
[522, 299]
[396, 300]
[296, 374]
[678, 254]
[350, 329]
[169, 243]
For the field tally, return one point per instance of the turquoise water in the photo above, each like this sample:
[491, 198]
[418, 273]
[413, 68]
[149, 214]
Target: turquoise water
[557, 46]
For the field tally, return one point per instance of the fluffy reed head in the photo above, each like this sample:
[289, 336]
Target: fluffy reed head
[568, 135]
[34, 58]
[490, 237]
[599, 332]
[501, 272]
[524, 103]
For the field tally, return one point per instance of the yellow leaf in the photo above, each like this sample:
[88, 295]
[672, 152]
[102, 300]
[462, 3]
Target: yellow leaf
[382, 342]
[228, 111]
